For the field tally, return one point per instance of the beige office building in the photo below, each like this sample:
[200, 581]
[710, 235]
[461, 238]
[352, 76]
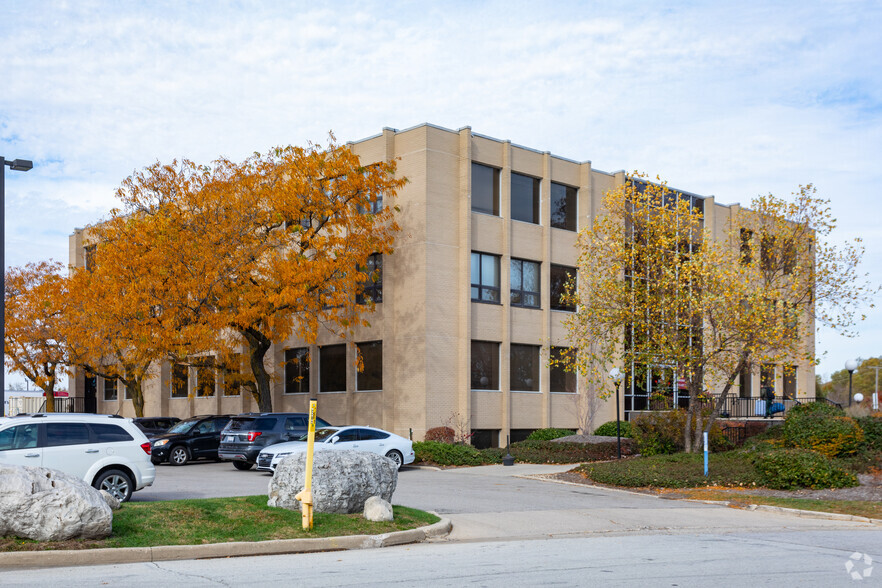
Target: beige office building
[469, 304]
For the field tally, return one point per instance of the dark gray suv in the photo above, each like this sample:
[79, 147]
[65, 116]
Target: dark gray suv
[246, 434]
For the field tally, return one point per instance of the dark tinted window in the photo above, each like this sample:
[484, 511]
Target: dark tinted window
[560, 275]
[109, 433]
[369, 435]
[264, 424]
[332, 368]
[485, 189]
[241, 423]
[371, 377]
[66, 434]
[524, 198]
[563, 207]
[485, 365]
[297, 370]
[350, 435]
[297, 423]
[524, 368]
[20, 437]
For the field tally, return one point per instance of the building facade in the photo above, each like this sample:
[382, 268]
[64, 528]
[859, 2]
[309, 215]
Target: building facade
[468, 307]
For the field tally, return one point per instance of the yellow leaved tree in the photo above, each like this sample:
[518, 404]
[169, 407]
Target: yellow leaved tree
[657, 289]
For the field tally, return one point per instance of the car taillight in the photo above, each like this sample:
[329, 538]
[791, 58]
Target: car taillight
[252, 435]
[146, 447]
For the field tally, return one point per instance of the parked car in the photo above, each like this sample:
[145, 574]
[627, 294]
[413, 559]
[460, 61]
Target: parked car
[193, 438]
[396, 448]
[107, 451]
[153, 426]
[246, 434]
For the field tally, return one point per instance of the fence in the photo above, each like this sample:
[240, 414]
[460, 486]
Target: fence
[33, 404]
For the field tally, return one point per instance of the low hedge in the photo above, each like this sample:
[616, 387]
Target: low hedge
[549, 434]
[449, 454]
[872, 427]
[609, 429]
[789, 469]
[661, 433]
[681, 470]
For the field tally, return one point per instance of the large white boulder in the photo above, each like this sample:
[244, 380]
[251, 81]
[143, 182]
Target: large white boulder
[48, 505]
[376, 509]
[342, 481]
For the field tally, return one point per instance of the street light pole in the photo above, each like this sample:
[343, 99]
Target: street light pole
[876, 390]
[616, 375]
[17, 165]
[851, 366]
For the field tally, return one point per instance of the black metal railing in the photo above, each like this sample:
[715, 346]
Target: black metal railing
[69, 404]
[734, 407]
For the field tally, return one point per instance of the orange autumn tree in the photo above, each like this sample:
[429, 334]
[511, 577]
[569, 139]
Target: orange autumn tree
[35, 345]
[253, 252]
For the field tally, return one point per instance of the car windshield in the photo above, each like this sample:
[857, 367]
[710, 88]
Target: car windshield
[182, 427]
[321, 435]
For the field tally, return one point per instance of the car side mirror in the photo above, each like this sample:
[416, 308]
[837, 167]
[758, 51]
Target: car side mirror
[334, 439]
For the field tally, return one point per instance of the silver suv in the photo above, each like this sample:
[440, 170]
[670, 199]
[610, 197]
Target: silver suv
[107, 451]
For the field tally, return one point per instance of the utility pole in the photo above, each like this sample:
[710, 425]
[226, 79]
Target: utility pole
[876, 391]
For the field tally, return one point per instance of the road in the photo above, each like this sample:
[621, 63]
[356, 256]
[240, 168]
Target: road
[512, 530]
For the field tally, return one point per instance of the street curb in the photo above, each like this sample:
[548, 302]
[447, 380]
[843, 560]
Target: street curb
[810, 514]
[121, 555]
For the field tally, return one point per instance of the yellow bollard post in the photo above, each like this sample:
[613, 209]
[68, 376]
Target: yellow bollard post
[305, 495]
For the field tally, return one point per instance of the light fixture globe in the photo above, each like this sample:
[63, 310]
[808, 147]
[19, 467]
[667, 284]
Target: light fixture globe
[616, 375]
[851, 365]
[858, 397]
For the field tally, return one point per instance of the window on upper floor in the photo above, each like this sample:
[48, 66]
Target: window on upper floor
[485, 277]
[524, 198]
[525, 280]
[746, 252]
[563, 206]
[373, 284]
[206, 379]
[180, 375]
[560, 276]
[485, 189]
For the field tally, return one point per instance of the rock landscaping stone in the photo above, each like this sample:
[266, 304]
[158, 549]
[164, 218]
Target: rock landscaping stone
[48, 505]
[342, 481]
[111, 500]
[376, 509]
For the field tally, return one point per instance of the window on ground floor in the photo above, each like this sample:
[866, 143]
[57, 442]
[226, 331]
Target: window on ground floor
[789, 388]
[180, 374]
[524, 368]
[297, 370]
[110, 389]
[745, 382]
[485, 438]
[332, 368]
[562, 379]
[371, 376]
[485, 365]
[206, 379]
[767, 376]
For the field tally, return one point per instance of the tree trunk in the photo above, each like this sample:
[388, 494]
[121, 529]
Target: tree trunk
[258, 345]
[49, 391]
[133, 389]
[721, 401]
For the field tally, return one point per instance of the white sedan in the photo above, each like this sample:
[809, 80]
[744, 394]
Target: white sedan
[396, 448]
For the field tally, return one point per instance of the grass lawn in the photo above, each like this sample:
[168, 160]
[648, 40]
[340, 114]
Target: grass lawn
[863, 508]
[680, 470]
[219, 520]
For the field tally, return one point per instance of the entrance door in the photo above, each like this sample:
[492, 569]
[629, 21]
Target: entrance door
[90, 393]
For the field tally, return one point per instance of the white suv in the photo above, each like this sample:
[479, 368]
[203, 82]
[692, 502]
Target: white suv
[107, 451]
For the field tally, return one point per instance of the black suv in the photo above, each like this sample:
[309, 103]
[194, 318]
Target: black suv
[153, 426]
[246, 434]
[190, 439]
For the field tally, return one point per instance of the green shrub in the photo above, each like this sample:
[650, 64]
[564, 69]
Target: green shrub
[788, 469]
[442, 434]
[821, 430]
[661, 433]
[549, 434]
[449, 454]
[683, 470]
[816, 408]
[609, 429]
[872, 427]
[531, 451]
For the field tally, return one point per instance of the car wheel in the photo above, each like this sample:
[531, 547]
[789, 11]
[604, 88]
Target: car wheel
[396, 456]
[118, 484]
[242, 465]
[179, 455]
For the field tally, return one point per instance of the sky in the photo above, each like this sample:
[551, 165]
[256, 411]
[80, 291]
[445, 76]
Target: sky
[716, 98]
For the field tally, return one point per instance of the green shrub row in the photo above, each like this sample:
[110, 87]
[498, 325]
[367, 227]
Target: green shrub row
[445, 454]
[661, 433]
[448, 454]
[789, 469]
[822, 428]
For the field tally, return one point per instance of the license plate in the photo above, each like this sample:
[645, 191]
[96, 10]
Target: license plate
[229, 439]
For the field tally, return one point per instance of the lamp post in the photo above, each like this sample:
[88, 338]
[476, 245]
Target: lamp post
[852, 366]
[17, 165]
[617, 376]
